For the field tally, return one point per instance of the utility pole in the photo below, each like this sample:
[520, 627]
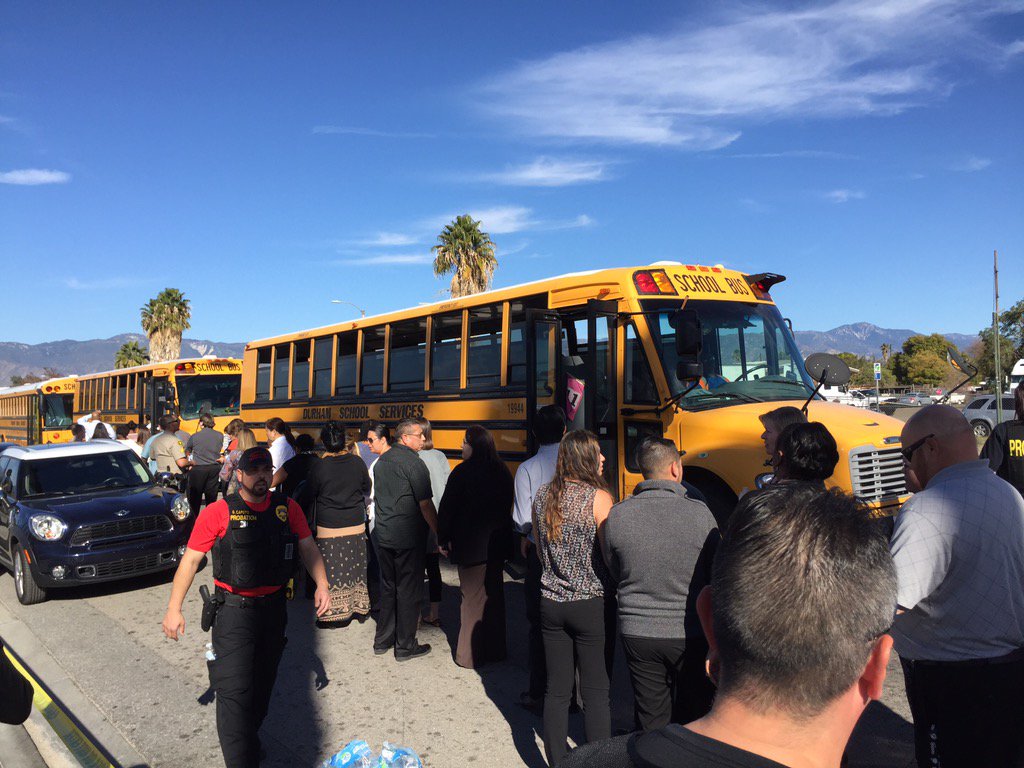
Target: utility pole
[995, 340]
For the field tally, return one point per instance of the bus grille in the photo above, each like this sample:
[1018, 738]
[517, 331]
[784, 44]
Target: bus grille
[877, 475]
[120, 528]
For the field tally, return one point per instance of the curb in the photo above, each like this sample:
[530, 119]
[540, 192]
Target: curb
[67, 728]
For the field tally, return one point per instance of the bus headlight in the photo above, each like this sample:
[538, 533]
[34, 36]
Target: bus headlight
[180, 509]
[47, 527]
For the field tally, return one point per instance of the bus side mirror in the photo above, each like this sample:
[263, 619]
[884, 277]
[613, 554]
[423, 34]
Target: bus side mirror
[827, 369]
[689, 342]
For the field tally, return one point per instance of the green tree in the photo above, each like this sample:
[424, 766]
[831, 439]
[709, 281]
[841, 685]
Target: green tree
[936, 344]
[129, 354]
[886, 352]
[1011, 327]
[926, 368]
[467, 252]
[984, 355]
[164, 319]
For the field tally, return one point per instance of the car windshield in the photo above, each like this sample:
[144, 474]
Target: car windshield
[216, 395]
[57, 410]
[748, 355]
[67, 475]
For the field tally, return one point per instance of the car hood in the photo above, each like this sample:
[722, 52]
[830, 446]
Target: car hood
[105, 505]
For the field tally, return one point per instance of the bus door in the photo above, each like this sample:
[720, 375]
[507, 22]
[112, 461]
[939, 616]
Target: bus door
[159, 399]
[589, 375]
[543, 367]
[33, 425]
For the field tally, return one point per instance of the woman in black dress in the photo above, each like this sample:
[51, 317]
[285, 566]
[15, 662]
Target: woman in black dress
[474, 525]
[335, 491]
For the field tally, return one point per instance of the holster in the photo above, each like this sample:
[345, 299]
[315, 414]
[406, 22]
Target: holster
[211, 604]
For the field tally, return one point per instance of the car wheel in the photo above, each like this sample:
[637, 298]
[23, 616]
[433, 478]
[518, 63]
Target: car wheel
[25, 587]
[981, 428]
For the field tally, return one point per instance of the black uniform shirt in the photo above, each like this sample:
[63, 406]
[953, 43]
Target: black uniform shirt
[400, 482]
[1005, 452]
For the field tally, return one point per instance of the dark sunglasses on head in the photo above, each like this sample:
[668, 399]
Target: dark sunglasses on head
[908, 452]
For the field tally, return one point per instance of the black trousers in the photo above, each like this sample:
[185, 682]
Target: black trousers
[574, 628]
[669, 684]
[531, 588]
[203, 486]
[248, 643]
[966, 715]
[401, 595]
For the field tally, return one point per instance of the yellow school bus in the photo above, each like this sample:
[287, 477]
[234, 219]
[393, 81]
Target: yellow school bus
[38, 413]
[143, 393]
[602, 345]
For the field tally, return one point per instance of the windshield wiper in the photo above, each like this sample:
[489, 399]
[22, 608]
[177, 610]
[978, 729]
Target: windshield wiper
[722, 395]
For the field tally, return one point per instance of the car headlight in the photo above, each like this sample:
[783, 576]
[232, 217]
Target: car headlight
[47, 527]
[180, 509]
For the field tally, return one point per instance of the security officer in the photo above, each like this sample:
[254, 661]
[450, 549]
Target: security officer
[1005, 447]
[253, 536]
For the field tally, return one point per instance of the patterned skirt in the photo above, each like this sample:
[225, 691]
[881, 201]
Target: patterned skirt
[344, 553]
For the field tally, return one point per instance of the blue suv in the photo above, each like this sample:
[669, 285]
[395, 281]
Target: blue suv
[83, 513]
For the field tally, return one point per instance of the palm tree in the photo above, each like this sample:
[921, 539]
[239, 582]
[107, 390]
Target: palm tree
[129, 354]
[463, 249]
[163, 319]
[886, 351]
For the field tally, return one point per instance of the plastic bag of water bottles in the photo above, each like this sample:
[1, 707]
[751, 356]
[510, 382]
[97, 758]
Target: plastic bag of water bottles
[357, 754]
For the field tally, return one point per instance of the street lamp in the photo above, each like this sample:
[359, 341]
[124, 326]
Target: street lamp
[362, 312]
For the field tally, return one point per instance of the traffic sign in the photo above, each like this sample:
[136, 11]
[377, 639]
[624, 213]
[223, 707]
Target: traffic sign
[878, 370]
[878, 375]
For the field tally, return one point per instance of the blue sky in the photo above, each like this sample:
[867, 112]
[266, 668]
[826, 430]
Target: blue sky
[268, 158]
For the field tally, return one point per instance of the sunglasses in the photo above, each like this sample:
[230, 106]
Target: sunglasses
[908, 452]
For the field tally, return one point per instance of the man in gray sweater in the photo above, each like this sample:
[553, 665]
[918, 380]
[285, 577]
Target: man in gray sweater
[659, 545]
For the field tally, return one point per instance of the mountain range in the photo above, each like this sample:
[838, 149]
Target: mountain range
[70, 356]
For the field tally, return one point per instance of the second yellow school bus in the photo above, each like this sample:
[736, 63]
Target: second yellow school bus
[602, 345]
[38, 413]
[143, 393]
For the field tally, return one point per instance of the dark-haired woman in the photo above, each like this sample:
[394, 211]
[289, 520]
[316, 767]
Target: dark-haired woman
[336, 487]
[568, 521]
[805, 453]
[280, 441]
[475, 527]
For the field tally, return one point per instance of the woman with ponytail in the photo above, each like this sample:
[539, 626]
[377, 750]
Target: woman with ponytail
[568, 519]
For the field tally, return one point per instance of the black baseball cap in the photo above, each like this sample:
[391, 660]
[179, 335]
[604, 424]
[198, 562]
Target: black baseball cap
[254, 458]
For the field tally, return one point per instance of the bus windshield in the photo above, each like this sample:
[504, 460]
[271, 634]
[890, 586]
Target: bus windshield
[216, 395]
[57, 410]
[749, 354]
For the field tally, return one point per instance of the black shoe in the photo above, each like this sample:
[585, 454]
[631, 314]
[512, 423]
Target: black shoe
[420, 650]
[381, 650]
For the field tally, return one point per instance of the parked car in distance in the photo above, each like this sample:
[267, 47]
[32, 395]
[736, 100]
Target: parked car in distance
[981, 413]
[82, 513]
[916, 398]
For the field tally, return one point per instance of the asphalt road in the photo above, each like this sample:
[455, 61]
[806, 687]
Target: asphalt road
[331, 688]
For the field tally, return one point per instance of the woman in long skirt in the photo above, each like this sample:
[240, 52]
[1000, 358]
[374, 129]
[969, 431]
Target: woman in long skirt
[336, 489]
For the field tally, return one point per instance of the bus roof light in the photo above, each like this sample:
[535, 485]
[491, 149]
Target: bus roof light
[762, 282]
[664, 283]
[645, 283]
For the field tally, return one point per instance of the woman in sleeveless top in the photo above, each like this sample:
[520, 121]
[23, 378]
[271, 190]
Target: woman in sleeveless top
[568, 518]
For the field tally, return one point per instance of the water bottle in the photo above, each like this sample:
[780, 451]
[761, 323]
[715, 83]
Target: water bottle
[356, 754]
[398, 757]
[210, 655]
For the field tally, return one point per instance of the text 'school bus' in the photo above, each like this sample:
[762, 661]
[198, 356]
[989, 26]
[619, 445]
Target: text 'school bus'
[143, 393]
[600, 344]
[38, 413]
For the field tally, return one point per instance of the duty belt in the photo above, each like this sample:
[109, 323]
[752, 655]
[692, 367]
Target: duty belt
[247, 601]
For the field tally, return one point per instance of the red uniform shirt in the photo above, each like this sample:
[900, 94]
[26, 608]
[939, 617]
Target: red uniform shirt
[212, 524]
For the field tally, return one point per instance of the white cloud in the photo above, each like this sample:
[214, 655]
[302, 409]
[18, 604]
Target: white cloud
[387, 240]
[387, 258]
[103, 283]
[550, 172]
[507, 219]
[792, 154]
[972, 163]
[346, 130]
[844, 195]
[693, 86]
[34, 176]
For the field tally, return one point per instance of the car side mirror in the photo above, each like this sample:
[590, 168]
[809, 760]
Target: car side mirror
[7, 487]
[689, 343]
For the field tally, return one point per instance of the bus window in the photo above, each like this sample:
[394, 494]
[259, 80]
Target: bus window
[282, 353]
[263, 373]
[516, 345]
[121, 388]
[637, 379]
[446, 352]
[373, 361]
[346, 374]
[635, 432]
[300, 369]
[484, 357]
[132, 405]
[57, 410]
[408, 356]
[323, 351]
[215, 394]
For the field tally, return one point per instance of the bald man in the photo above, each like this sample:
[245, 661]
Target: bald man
[958, 545]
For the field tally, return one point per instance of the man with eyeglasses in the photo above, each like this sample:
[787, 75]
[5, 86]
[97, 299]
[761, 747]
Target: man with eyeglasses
[403, 513]
[958, 546]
